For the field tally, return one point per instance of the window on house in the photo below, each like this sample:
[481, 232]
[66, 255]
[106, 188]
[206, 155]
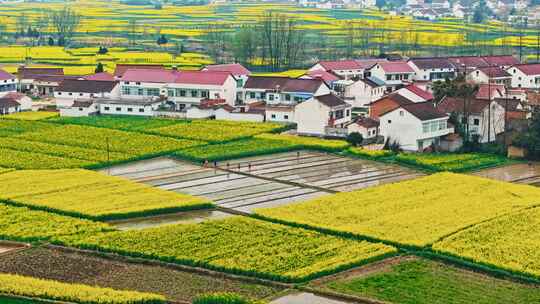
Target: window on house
[425, 127]
[287, 97]
[194, 93]
[339, 114]
[80, 109]
[130, 109]
[273, 116]
[204, 94]
[70, 94]
[182, 93]
[476, 122]
[140, 92]
[388, 77]
[406, 76]
[127, 82]
[348, 113]
[106, 108]
[125, 90]
[138, 83]
[286, 117]
[118, 109]
[170, 93]
[270, 97]
[59, 93]
[443, 125]
[389, 121]
[80, 94]
[252, 95]
[141, 110]
[401, 113]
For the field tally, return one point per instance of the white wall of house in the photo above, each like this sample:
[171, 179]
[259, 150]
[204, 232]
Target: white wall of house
[9, 110]
[367, 133]
[522, 80]
[480, 77]
[479, 123]
[281, 115]
[129, 109]
[312, 117]
[359, 93]
[401, 126]
[79, 112]
[222, 114]
[66, 99]
[431, 74]
[25, 102]
[8, 86]
[283, 97]
[141, 90]
[346, 74]
[392, 80]
[190, 94]
[196, 113]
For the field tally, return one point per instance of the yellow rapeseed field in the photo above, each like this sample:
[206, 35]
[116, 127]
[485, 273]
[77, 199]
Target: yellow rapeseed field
[416, 213]
[511, 242]
[31, 115]
[90, 194]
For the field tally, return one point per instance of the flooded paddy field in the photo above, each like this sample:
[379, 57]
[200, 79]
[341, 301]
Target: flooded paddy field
[523, 173]
[266, 181]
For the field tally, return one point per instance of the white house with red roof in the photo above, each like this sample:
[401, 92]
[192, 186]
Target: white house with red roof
[394, 73]
[432, 69]
[360, 93]
[183, 88]
[326, 115]
[525, 75]
[345, 68]
[239, 72]
[8, 83]
[121, 68]
[490, 91]
[415, 94]
[494, 75]
[327, 76]
[366, 126]
[415, 126]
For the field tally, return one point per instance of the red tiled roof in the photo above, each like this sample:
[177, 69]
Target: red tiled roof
[367, 63]
[456, 105]
[331, 100]
[424, 111]
[325, 76]
[202, 77]
[100, 76]
[34, 73]
[503, 60]
[529, 69]
[494, 72]
[234, 68]
[396, 67]
[341, 65]
[5, 75]
[121, 69]
[284, 83]
[367, 122]
[487, 91]
[15, 95]
[420, 93]
[6, 103]
[149, 75]
[469, 61]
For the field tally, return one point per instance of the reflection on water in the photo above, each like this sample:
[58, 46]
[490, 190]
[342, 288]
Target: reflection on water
[176, 218]
[306, 298]
[526, 173]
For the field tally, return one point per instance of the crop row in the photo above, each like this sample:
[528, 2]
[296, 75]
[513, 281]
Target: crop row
[240, 245]
[92, 195]
[54, 290]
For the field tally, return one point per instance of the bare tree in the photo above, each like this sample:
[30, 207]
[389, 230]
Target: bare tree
[217, 40]
[244, 46]
[132, 31]
[21, 24]
[65, 22]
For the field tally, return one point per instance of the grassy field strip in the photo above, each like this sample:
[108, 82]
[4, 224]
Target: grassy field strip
[410, 280]
[240, 245]
[92, 195]
[413, 213]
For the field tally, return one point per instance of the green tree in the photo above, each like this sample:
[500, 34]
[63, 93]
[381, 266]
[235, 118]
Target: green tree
[355, 139]
[99, 68]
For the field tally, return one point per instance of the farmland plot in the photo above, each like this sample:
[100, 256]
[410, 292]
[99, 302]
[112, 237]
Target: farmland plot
[240, 245]
[413, 213]
[518, 173]
[90, 194]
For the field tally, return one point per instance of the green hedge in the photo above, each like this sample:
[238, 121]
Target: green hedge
[224, 298]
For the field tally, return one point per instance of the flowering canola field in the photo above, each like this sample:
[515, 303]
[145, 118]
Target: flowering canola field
[23, 224]
[240, 245]
[90, 194]
[510, 242]
[78, 293]
[412, 213]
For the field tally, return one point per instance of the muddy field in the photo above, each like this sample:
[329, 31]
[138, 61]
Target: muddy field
[522, 173]
[80, 268]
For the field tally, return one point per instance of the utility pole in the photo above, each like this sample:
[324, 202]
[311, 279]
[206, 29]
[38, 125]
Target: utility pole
[489, 104]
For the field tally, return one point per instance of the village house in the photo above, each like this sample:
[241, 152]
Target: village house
[467, 64]
[80, 109]
[367, 127]
[323, 115]
[282, 94]
[394, 74]
[40, 81]
[182, 88]
[525, 75]
[8, 83]
[415, 94]
[252, 112]
[328, 77]
[494, 75]
[483, 115]
[9, 106]
[239, 72]
[387, 104]
[347, 69]
[415, 126]
[490, 91]
[70, 90]
[135, 107]
[432, 69]
[103, 76]
[360, 93]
